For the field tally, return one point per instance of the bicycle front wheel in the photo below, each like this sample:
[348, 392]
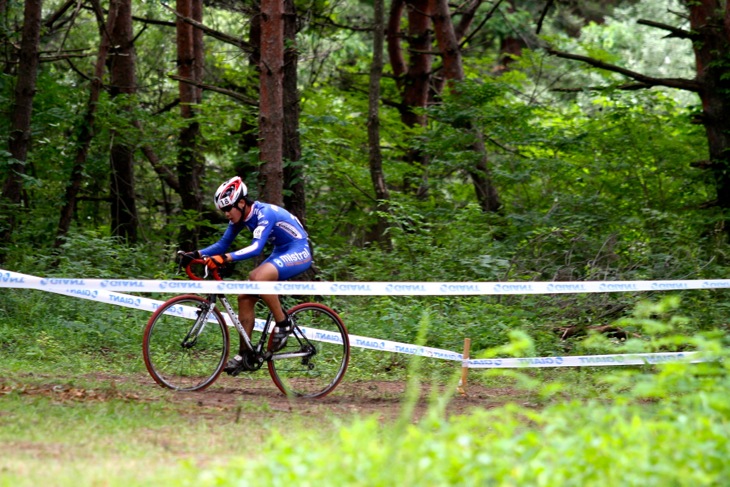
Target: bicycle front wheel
[182, 350]
[316, 354]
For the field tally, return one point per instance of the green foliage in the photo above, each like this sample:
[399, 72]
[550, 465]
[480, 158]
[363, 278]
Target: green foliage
[680, 437]
[595, 185]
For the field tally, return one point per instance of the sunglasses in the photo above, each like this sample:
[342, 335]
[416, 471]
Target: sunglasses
[226, 209]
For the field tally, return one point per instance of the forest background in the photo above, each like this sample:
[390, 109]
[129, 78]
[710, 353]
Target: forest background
[418, 140]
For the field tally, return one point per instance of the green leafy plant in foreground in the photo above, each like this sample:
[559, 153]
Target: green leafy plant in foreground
[663, 426]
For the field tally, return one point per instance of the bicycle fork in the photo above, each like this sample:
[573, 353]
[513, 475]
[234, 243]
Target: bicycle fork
[198, 327]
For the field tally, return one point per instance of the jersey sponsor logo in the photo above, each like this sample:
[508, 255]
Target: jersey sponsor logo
[295, 257]
[290, 229]
[258, 231]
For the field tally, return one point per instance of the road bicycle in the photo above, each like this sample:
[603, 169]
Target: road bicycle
[186, 344]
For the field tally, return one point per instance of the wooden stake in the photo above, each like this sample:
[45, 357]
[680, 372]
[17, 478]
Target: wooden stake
[461, 388]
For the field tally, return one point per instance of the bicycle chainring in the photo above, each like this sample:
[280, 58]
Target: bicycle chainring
[252, 361]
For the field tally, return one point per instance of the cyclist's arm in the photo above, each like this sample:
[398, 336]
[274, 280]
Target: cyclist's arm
[260, 236]
[221, 246]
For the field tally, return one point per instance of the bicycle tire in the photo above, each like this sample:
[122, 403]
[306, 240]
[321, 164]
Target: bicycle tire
[180, 368]
[318, 373]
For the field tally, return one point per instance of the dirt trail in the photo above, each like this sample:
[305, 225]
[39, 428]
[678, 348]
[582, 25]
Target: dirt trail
[259, 395]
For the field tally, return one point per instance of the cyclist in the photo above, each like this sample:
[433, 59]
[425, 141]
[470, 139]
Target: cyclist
[290, 257]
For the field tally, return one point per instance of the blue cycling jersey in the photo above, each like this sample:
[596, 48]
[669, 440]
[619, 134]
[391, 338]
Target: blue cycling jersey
[268, 223]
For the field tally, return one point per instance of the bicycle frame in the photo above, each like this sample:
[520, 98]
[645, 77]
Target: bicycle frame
[189, 357]
[258, 348]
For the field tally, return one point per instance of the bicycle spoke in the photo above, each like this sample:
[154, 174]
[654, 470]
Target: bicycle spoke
[182, 353]
[316, 355]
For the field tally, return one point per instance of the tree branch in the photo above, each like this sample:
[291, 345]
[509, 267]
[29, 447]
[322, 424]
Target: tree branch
[162, 170]
[233, 94]
[146, 21]
[544, 12]
[625, 87]
[678, 83]
[673, 31]
[240, 43]
[62, 57]
[481, 24]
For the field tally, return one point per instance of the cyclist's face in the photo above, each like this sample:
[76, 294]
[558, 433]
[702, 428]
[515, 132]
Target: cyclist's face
[233, 213]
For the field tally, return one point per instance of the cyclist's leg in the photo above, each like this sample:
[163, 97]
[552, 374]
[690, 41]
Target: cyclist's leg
[247, 314]
[283, 264]
[268, 272]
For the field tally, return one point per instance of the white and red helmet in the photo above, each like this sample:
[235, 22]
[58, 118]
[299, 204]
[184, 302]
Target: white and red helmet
[230, 192]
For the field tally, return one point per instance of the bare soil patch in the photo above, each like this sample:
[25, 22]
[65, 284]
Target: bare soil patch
[235, 396]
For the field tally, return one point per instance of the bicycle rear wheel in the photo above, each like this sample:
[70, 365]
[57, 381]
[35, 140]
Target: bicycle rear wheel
[181, 351]
[316, 354]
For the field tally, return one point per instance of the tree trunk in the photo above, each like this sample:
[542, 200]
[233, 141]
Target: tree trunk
[712, 49]
[123, 81]
[453, 70]
[189, 166]
[271, 106]
[198, 48]
[4, 30]
[416, 86]
[379, 232]
[294, 199]
[22, 110]
[393, 37]
[418, 76]
[510, 46]
[86, 131]
[414, 78]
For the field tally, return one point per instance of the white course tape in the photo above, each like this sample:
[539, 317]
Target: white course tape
[585, 360]
[11, 279]
[99, 290]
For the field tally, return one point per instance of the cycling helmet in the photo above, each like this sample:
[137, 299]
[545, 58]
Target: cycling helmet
[230, 192]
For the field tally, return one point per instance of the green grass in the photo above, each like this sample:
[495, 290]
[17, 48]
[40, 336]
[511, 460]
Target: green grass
[63, 423]
[90, 432]
[106, 443]
[641, 426]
